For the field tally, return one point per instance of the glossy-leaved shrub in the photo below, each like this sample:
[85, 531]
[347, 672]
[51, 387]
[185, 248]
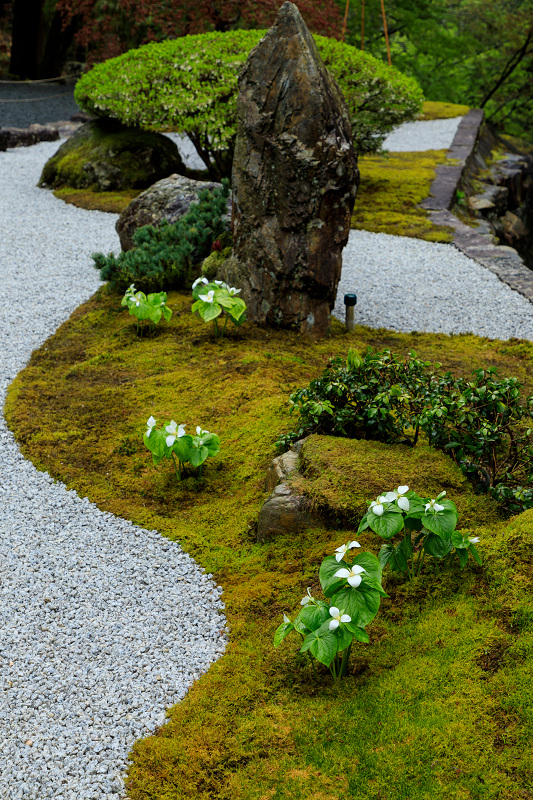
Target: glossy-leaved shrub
[189, 85]
[163, 257]
[483, 422]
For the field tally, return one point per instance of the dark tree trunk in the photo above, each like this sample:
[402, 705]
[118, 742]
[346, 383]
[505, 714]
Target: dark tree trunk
[56, 47]
[26, 38]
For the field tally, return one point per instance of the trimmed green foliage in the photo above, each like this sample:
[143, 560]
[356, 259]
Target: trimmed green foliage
[163, 257]
[190, 85]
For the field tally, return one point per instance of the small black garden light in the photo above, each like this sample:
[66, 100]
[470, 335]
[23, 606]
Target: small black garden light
[350, 301]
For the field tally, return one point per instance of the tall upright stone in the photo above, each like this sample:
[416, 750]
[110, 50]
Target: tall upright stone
[295, 178]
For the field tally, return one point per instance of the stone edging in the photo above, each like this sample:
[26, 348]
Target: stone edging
[504, 261]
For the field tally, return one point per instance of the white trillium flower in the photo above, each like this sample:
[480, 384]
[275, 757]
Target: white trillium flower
[473, 539]
[209, 297]
[176, 432]
[199, 280]
[377, 507]
[221, 283]
[131, 289]
[434, 506]
[343, 549]
[308, 598]
[233, 291]
[398, 497]
[337, 618]
[200, 432]
[150, 422]
[353, 575]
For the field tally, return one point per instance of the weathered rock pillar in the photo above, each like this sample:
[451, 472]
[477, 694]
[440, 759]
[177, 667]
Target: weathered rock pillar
[294, 180]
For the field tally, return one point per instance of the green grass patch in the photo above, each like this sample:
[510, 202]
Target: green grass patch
[438, 705]
[434, 110]
[391, 188]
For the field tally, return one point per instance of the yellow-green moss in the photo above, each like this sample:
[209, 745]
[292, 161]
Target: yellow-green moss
[391, 188]
[424, 713]
[115, 202]
[434, 110]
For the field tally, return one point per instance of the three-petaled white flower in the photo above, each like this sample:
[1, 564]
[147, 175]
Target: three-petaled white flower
[434, 506]
[150, 422]
[233, 291]
[353, 575]
[398, 497]
[307, 599]
[337, 618]
[175, 431]
[199, 280]
[473, 539]
[377, 506]
[209, 297]
[343, 549]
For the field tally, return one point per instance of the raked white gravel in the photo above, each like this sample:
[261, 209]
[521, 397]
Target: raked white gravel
[103, 625]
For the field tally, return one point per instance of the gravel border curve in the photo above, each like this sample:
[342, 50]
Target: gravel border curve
[103, 625]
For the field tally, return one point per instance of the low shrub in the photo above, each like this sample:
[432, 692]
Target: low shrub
[190, 85]
[163, 257]
[482, 423]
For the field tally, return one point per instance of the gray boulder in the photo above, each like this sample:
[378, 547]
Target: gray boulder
[168, 199]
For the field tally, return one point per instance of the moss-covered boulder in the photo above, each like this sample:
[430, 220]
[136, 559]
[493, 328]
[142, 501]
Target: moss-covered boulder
[104, 156]
[339, 477]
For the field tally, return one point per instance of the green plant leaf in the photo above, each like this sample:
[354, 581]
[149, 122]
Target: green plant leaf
[387, 525]
[360, 604]
[358, 633]
[314, 616]
[437, 546]
[326, 575]
[323, 645]
[182, 448]
[284, 629]
[475, 554]
[442, 524]
[343, 635]
[198, 455]
[463, 557]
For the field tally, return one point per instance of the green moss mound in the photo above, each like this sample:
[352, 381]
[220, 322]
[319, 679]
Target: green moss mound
[190, 85]
[113, 202]
[105, 156]
[438, 705]
[434, 110]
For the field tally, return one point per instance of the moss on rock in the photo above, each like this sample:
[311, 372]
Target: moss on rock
[105, 156]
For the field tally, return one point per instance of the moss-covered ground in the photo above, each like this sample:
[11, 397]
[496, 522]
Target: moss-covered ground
[114, 202]
[391, 188]
[440, 703]
[435, 110]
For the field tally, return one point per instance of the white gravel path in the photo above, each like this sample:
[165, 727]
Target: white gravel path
[410, 285]
[102, 625]
[430, 134]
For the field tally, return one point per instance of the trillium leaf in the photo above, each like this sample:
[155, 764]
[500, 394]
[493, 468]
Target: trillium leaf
[459, 542]
[167, 313]
[284, 629]
[436, 546]
[385, 554]
[314, 616]
[299, 626]
[475, 554]
[463, 557]
[343, 636]
[182, 447]
[156, 444]
[322, 645]
[238, 308]
[330, 584]
[198, 455]
[442, 524]
[358, 633]
[209, 311]
[364, 524]
[212, 442]
[361, 605]
[388, 525]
